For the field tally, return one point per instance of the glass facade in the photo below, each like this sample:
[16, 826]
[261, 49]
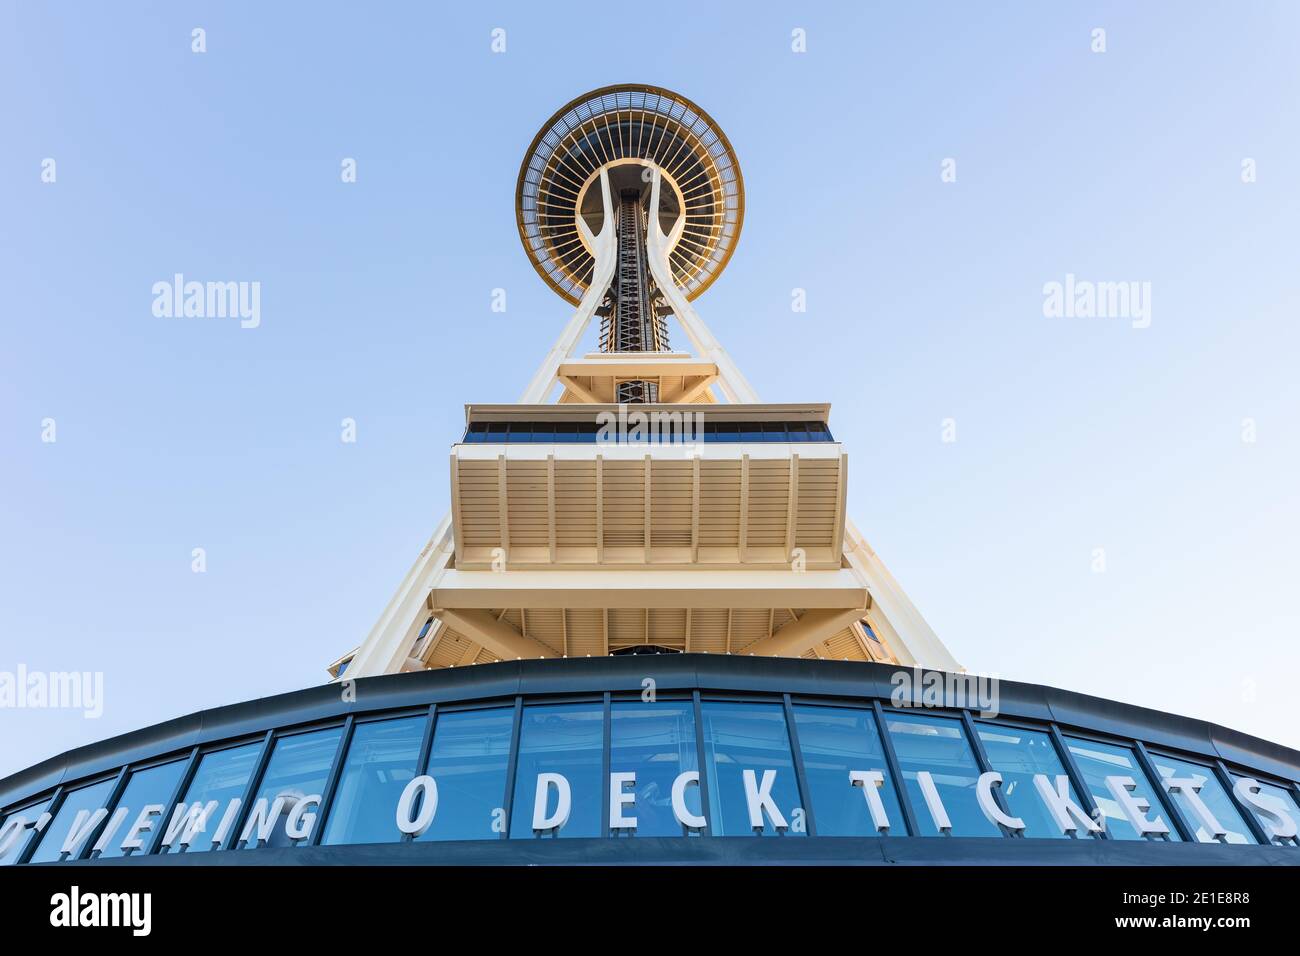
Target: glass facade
[74, 811]
[382, 759]
[1204, 803]
[752, 785]
[835, 742]
[654, 741]
[1283, 799]
[939, 768]
[299, 767]
[558, 778]
[588, 432]
[221, 777]
[16, 831]
[1019, 755]
[1099, 764]
[679, 767]
[152, 785]
[470, 757]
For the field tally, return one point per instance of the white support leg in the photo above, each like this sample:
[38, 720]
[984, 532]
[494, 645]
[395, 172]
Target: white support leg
[605, 249]
[734, 385]
[386, 647]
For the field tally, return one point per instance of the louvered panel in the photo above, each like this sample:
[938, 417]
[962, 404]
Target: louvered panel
[810, 655]
[586, 632]
[513, 617]
[527, 494]
[818, 493]
[769, 503]
[780, 618]
[486, 657]
[668, 627]
[747, 626]
[546, 626]
[671, 486]
[480, 522]
[450, 649]
[719, 504]
[845, 645]
[575, 504]
[709, 631]
[623, 487]
[627, 627]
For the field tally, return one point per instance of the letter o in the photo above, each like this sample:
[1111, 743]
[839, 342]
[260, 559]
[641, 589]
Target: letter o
[427, 786]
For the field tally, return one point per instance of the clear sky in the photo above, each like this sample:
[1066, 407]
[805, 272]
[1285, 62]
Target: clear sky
[925, 303]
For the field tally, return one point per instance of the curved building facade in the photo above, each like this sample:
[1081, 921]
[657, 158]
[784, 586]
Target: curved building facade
[647, 631]
[663, 758]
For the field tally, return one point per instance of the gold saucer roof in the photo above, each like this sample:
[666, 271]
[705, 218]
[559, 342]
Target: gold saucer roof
[614, 126]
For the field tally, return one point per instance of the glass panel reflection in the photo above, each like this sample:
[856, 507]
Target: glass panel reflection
[88, 799]
[565, 741]
[655, 741]
[1283, 800]
[17, 831]
[938, 746]
[296, 773]
[1018, 755]
[470, 751]
[379, 764]
[154, 785]
[1098, 761]
[835, 741]
[1208, 809]
[750, 770]
[221, 776]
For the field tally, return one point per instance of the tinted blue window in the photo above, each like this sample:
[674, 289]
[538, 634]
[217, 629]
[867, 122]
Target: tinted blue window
[299, 766]
[1211, 799]
[18, 829]
[656, 741]
[1097, 762]
[380, 762]
[1285, 801]
[741, 737]
[1018, 755]
[154, 785]
[938, 746]
[83, 801]
[835, 741]
[564, 739]
[221, 776]
[468, 759]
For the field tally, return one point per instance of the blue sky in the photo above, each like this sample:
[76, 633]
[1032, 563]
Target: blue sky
[925, 302]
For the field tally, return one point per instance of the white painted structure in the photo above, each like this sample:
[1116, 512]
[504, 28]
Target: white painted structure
[555, 549]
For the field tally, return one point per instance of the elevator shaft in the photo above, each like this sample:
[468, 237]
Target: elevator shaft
[633, 324]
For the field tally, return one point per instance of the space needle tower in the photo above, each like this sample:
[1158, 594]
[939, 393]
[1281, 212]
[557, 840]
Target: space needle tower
[571, 535]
